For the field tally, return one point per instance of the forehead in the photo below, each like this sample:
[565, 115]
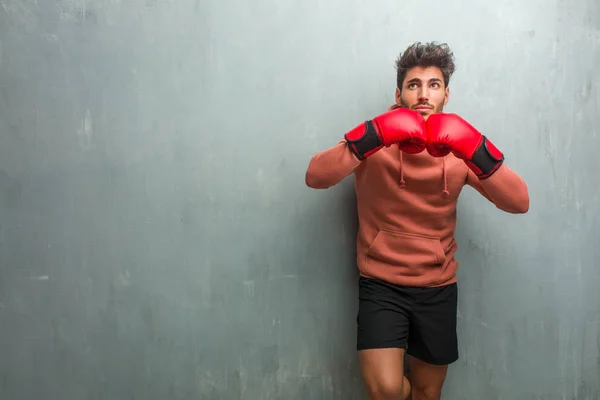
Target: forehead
[424, 74]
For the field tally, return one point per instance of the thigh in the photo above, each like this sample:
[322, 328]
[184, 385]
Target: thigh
[433, 338]
[383, 373]
[427, 380]
[383, 316]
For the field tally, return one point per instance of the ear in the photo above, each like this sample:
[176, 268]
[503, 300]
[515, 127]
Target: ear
[398, 94]
[447, 96]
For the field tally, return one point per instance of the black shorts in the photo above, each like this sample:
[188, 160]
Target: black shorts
[420, 320]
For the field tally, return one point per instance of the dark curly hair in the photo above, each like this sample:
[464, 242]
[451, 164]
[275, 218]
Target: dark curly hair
[429, 54]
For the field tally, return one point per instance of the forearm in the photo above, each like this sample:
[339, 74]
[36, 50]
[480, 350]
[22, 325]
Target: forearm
[330, 166]
[507, 190]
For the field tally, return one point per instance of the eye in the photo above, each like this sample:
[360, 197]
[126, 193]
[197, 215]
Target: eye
[412, 85]
[435, 84]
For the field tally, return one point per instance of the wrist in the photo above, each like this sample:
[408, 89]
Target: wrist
[486, 159]
[364, 140]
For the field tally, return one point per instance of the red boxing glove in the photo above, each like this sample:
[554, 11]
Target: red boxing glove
[450, 133]
[401, 126]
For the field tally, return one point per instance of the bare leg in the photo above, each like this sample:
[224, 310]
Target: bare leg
[383, 374]
[406, 389]
[426, 379]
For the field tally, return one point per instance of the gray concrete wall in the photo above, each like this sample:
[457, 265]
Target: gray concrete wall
[157, 240]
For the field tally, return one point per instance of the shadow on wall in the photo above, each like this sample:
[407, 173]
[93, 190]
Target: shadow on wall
[326, 228]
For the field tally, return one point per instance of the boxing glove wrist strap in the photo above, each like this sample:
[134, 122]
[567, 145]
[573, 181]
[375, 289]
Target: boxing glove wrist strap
[363, 140]
[486, 159]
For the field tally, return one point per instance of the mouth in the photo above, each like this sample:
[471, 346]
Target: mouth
[423, 108]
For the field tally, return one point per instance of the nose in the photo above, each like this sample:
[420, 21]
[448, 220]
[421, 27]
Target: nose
[423, 94]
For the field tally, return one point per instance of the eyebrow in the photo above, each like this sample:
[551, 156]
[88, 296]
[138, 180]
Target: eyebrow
[415, 80]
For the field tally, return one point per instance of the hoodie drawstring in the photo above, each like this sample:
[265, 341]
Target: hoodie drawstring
[402, 182]
[446, 192]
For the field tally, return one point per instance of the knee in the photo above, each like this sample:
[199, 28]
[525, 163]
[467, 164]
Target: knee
[384, 389]
[427, 392]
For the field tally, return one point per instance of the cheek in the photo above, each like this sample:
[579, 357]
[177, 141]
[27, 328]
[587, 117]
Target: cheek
[409, 98]
[439, 99]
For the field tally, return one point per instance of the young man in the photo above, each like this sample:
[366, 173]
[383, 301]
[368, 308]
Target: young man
[410, 165]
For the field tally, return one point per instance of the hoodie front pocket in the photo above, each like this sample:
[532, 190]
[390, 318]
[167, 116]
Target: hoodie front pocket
[405, 250]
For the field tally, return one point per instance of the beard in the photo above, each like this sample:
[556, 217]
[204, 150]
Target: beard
[434, 108]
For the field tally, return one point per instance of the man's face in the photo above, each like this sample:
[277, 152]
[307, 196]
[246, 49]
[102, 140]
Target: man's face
[423, 91]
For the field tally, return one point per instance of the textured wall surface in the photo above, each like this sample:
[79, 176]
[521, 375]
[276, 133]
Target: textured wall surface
[157, 240]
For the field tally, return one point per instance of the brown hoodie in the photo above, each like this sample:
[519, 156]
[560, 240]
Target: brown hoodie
[406, 210]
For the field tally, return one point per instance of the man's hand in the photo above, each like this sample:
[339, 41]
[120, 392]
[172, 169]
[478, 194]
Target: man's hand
[450, 133]
[402, 126]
